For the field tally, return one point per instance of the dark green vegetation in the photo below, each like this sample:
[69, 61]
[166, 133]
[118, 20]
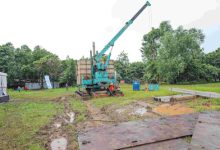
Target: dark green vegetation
[23, 64]
[173, 56]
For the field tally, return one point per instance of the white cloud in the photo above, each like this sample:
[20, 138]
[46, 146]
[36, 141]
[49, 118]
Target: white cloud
[209, 19]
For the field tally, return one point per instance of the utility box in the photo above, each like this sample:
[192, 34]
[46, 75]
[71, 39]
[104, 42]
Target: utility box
[84, 69]
[4, 97]
[153, 87]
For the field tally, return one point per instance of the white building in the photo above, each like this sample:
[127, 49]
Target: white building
[3, 87]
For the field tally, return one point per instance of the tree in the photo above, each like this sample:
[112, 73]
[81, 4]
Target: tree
[175, 55]
[7, 61]
[180, 55]
[136, 71]
[150, 47]
[213, 59]
[121, 66]
[68, 74]
[24, 63]
[48, 65]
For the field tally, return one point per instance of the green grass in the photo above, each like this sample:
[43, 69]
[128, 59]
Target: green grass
[212, 87]
[25, 114]
[205, 104]
[19, 122]
[40, 94]
[80, 109]
[131, 96]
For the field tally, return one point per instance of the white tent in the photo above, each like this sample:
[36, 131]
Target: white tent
[3, 87]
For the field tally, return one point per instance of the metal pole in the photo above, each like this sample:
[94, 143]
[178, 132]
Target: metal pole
[93, 47]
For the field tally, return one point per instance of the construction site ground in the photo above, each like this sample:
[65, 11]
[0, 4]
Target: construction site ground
[52, 119]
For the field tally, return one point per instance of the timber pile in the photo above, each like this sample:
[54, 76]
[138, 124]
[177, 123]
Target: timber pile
[84, 69]
[165, 133]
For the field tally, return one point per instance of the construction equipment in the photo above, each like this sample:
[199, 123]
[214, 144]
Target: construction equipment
[100, 82]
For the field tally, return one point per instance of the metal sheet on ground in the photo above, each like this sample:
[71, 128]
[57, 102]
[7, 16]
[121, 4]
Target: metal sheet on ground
[206, 135]
[176, 144]
[130, 134]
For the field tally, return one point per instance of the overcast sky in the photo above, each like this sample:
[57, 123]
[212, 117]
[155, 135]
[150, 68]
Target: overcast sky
[68, 27]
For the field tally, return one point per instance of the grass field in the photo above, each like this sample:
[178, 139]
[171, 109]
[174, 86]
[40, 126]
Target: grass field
[132, 96]
[29, 111]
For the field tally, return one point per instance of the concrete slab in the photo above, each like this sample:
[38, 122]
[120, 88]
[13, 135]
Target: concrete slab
[198, 93]
[172, 98]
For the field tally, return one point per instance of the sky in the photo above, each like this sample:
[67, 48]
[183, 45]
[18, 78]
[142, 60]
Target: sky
[68, 27]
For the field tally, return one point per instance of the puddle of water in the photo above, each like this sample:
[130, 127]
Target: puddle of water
[71, 116]
[59, 144]
[139, 111]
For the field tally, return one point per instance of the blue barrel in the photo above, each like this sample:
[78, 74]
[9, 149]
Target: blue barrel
[136, 86]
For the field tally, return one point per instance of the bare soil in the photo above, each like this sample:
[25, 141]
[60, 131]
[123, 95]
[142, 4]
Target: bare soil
[169, 109]
[134, 111]
[96, 118]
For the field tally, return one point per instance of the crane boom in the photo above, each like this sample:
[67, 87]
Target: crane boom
[127, 24]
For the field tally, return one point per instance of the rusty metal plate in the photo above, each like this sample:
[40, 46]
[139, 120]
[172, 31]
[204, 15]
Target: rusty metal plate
[132, 134]
[206, 135]
[176, 144]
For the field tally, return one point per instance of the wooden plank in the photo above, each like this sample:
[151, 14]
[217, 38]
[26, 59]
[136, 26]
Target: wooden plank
[198, 93]
[137, 133]
[206, 135]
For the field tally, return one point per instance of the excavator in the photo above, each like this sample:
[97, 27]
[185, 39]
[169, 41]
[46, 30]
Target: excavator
[101, 83]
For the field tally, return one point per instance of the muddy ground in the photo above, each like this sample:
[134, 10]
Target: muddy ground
[61, 132]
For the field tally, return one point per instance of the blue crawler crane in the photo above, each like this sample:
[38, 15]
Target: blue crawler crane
[100, 82]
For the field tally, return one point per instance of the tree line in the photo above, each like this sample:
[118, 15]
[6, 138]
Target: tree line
[173, 56]
[169, 55]
[26, 65]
